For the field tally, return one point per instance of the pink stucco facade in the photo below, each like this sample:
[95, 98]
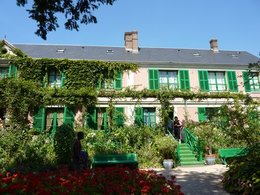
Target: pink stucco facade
[140, 80]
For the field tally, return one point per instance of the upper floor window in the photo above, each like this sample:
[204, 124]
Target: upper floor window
[169, 79]
[251, 81]
[4, 72]
[112, 84]
[55, 78]
[218, 81]
[9, 71]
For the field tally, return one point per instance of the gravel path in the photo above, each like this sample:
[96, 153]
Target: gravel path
[198, 180]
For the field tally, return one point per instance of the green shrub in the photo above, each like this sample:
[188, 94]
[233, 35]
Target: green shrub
[25, 150]
[166, 147]
[63, 142]
[243, 176]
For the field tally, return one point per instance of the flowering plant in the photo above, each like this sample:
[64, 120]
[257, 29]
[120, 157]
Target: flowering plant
[110, 180]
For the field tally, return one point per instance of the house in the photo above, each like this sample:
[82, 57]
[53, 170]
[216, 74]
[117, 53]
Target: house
[190, 70]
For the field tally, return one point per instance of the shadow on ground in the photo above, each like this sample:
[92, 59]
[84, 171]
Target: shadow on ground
[197, 182]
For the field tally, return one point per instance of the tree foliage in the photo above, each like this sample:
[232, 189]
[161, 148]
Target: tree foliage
[45, 12]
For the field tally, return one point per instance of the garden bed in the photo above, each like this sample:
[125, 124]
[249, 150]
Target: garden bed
[109, 180]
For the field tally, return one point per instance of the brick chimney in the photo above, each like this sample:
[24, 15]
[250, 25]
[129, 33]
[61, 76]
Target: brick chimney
[131, 41]
[214, 45]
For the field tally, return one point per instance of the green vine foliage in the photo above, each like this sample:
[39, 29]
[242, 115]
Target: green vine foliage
[78, 73]
[18, 97]
[80, 86]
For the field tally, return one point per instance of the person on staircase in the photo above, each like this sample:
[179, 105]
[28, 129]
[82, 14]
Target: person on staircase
[177, 128]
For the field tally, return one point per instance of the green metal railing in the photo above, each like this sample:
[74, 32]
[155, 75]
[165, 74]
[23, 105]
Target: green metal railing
[178, 146]
[194, 143]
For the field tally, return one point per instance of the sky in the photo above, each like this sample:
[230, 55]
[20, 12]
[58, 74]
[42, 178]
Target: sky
[185, 24]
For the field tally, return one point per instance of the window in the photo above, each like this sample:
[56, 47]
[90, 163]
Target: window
[149, 117]
[9, 71]
[4, 72]
[97, 118]
[217, 81]
[50, 118]
[206, 113]
[255, 82]
[252, 81]
[55, 79]
[168, 79]
[145, 116]
[111, 84]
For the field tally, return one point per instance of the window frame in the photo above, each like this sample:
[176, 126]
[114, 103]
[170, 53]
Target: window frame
[253, 84]
[6, 73]
[176, 85]
[216, 83]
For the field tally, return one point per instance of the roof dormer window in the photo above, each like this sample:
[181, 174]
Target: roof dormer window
[110, 51]
[60, 50]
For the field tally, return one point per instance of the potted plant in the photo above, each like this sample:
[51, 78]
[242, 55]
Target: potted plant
[166, 148]
[208, 134]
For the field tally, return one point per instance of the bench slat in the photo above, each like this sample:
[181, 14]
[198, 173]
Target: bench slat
[225, 153]
[113, 159]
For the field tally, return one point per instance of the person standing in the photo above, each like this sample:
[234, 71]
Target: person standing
[80, 158]
[176, 128]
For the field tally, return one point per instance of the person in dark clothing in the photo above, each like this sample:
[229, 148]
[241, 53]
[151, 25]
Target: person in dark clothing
[176, 128]
[80, 158]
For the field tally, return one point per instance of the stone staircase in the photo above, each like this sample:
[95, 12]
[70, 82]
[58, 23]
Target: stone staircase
[187, 157]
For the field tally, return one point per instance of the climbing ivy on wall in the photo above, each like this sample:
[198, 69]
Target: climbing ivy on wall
[78, 73]
[23, 94]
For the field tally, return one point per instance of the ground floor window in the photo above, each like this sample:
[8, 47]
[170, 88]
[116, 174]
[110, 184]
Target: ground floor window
[145, 116]
[205, 113]
[48, 119]
[98, 119]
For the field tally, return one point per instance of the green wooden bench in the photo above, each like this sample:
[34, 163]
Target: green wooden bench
[104, 160]
[226, 153]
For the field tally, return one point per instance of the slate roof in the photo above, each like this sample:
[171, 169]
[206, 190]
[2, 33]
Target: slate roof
[145, 55]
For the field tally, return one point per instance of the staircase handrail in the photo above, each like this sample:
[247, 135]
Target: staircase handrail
[178, 146]
[193, 142]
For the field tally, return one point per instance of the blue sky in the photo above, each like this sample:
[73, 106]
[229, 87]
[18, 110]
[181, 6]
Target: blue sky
[164, 23]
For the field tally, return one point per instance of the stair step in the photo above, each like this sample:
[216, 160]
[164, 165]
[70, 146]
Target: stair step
[186, 152]
[187, 157]
[191, 163]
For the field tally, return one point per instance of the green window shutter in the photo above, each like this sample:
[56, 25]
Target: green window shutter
[68, 116]
[153, 75]
[232, 81]
[39, 119]
[139, 116]
[118, 81]
[12, 71]
[62, 79]
[99, 84]
[202, 114]
[119, 118]
[203, 80]
[246, 82]
[184, 80]
[91, 118]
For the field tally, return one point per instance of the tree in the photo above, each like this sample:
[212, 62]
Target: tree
[239, 122]
[44, 12]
